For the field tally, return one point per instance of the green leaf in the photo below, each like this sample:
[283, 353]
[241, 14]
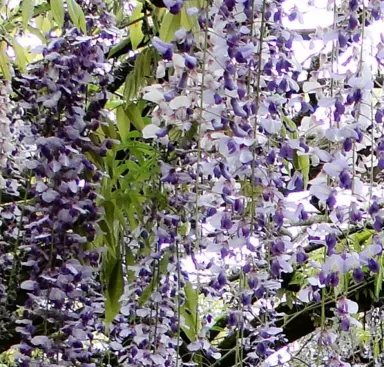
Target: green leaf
[77, 15]
[27, 9]
[363, 236]
[21, 58]
[135, 32]
[57, 8]
[108, 235]
[5, 63]
[130, 260]
[141, 72]
[123, 123]
[302, 164]
[134, 115]
[38, 33]
[130, 210]
[115, 289]
[114, 103]
[292, 125]
[188, 311]
[188, 326]
[186, 21]
[152, 285]
[376, 348]
[358, 240]
[191, 299]
[170, 24]
[121, 45]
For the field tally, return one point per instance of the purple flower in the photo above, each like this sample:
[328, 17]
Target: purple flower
[357, 95]
[261, 349]
[379, 116]
[239, 111]
[374, 208]
[253, 282]
[373, 266]
[332, 279]
[277, 248]
[218, 98]
[380, 164]
[353, 23]
[355, 213]
[222, 279]
[275, 269]
[226, 222]
[246, 299]
[247, 268]
[228, 82]
[232, 320]
[330, 241]
[260, 292]
[345, 324]
[278, 219]
[353, 5]
[238, 206]
[286, 152]
[345, 180]
[375, 14]
[271, 86]
[164, 48]
[331, 202]
[378, 224]
[301, 257]
[303, 215]
[190, 61]
[342, 40]
[358, 275]
[347, 144]
[292, 16]
[270, 159]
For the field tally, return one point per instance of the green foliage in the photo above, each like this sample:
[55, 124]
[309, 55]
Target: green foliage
[123, 123]
[120, 46]
[141, 73]
[356, 240]
[131, 185]
[135, 32]
[133, 112]
[114, 287]
[4, 61]
[169, 25]
[301, 162]
[188, 312]
[57, 9]
[162, 269]
[21, 58]
[77, 15]
[27, 11]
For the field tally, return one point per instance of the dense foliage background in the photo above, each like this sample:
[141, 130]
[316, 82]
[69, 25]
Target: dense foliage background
[191, 183]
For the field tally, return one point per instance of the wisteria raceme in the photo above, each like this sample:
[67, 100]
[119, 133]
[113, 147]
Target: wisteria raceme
[11, 181]
[237, 94]
[60, 284]
[265, 197]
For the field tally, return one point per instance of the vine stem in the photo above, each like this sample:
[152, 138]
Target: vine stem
[199, 155]
[242, 281]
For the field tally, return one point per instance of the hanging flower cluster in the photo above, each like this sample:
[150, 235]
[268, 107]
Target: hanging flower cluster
[236, 160]
[235, 85]
[12, 160]
[60, 303]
